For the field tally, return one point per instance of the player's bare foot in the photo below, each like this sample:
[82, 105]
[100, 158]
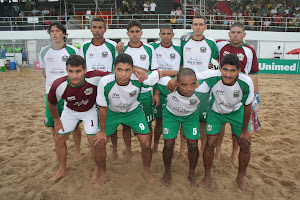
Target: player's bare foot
[166, 179]
[192, 180]
[205, 183]
[242, 184]
[100, 182]
[114, 156]
[148, 177]
[218, 154]
[127, 156]
[60, 174]
[235, 158]
[95, 177]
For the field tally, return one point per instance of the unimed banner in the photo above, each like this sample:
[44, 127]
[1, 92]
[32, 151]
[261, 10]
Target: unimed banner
[276, 66]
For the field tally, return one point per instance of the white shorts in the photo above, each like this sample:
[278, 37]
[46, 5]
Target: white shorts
[70, 119]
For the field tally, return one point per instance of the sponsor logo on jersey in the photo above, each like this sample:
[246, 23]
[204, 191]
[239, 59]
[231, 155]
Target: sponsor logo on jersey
[225, 53]
[202, 49]
[64, 58]
[181, 110]
[236, 94]
[194, 61]
[132, 93]
[91, 55]
[82, 102]
[88, 91]
[220, 92]
[193, 101]
[115, 95]
[172, 55]
[143, 57]
[209, 127]
[58, 71]
[166, 130]
[188, 49]
[104, 54]
[158, 55]
[174, 98]
[50, 59]
[71, 98]
[240, 56]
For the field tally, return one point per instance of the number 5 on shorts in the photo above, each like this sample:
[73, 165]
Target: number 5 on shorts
[142, 127]
[194, 131]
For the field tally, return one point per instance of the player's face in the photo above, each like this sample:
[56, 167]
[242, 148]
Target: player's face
[229, 73]
[236, 36]
[166, 36]
[57, 35]
[198, 26]
[98, 29]
[123, 72]
[187, 85]
[76, 75]
[135, 34]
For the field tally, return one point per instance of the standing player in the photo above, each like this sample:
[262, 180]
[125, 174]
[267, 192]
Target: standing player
[100, 54]
[197, 54]
[53, 64]
[79, 91]
[117, 99]
[232, 96]
[168, 58]
[143, 56]
[249, 66]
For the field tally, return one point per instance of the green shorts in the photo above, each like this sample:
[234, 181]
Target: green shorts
[146, 102]
[135, 119]
[158, 111]
[216, 120]
[48, 117]
[203, 106]
[171, 124]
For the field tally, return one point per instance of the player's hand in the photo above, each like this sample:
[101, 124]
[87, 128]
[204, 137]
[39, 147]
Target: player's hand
[172, 85]
[156, 99]
[256, 103]
[120, 47]
[57, 126]
[140, 74]
[100, 136]
[210, 65]
[245, 135]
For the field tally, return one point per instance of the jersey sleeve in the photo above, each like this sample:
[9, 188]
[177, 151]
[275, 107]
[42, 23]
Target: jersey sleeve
[203, 87]
[162, 85]
[53, 95]
[153, 78]
[254, 65]
[154, 64]
[42, 64]
[100, 99]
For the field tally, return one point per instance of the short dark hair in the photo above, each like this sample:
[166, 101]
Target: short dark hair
[231, 59]
[60, 26]
[133, 23]
[199, 17]
[123, 58]
[185, 72]
[166, 26]
[98, 20]
[238, 25]
[76, 61]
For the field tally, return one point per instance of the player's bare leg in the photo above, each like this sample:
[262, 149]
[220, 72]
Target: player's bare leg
[182, 145]
[127, 140]
[193, 154]
[61, 153]
[114, 142]
[208, 157]
[244, 157]
[167, 156]
[219, 144]
[77, 141]
[146, 156]
[235, 150]
[157, 133]
[203, 137]
[91, 142]
[100, 158]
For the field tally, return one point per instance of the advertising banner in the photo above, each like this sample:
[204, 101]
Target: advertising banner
[277, 66]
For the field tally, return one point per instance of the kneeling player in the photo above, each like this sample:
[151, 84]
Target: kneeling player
[118, 104]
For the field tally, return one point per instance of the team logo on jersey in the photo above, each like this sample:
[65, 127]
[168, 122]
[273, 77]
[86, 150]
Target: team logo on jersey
[193, 101]
[71, 98]
[236, 94]
[240, 56]
[64, 58]
[132, 93]
[209, 127]
[104, 54]
[202, 49]
[143, 57]
[166, 130]
[88, 91]
[172, 55]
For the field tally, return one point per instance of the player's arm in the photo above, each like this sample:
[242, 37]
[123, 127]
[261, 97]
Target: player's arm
[101, 134]
[254, 78]
[156, 99]
[245, 134]
[164, 73]
[43, 72]
[57, 122]
[120, 47]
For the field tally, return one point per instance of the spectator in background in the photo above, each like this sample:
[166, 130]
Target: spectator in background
[119, 15]
[2, 53]
[167, 20]
[225, 23]
[278, 53]
[251, 23]
[28, 4]
[125, 7]
[178, 12]
[88, 15]
[24, 56]
[152, 9]
[34, 11]
[180, 22]
[16, 8]
[267, 25]
[173, 21]
[146, 9]
[45, 12]
[33, 3]
[52, 11]
[173, 13]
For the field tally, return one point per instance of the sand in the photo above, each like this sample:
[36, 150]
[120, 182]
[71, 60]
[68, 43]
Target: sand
[28, 159]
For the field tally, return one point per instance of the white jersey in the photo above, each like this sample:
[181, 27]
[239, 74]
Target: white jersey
[122, 98]
[167, 58]
[176, 103]
[144, 57]
[99, 57]
[54, 62]
[197, 54]
[226, 98]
